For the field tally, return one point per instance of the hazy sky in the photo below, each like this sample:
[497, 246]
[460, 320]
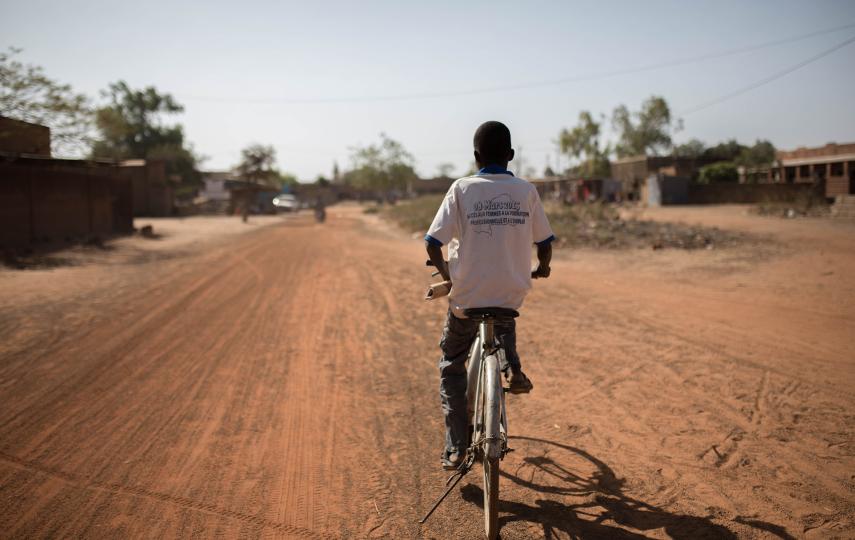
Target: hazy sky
[282, 73]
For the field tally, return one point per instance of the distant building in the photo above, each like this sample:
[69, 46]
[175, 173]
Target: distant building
[633, 172]
[43, 199]
[258, 196]
[572, 190]
[24, 138]
[215, 197]
[830, 167]
[833, 163]
[437, 185]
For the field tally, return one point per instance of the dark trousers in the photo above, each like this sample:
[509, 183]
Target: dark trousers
[457, 337]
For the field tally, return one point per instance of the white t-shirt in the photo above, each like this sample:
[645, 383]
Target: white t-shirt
[490, 222]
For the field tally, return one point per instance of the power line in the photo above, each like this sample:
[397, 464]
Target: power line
[767, 80]
[520, 86]
[756, 84]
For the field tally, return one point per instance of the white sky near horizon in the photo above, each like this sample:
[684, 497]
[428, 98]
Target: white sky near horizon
[235, 66]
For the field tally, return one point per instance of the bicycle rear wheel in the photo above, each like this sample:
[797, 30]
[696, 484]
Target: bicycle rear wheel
[491, 497]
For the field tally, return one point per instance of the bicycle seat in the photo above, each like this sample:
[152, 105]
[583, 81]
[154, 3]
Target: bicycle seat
[491, 313]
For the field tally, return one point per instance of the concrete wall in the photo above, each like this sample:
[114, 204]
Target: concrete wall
[153, 195]
[662, 190]
[634, 171]
[17, 137]
[54, 201]
[747, 193]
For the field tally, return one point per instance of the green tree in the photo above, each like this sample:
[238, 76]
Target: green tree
[718, 173]
[729, 150]
[760, 155]
[131, 126]
[693, 148]
[257, 164]
[647, 131]
[383, 167]
[286, 179]
[445, 170]
[582, 143]
[27, 94]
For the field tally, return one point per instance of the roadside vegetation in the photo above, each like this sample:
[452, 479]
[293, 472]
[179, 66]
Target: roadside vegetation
[810, 204]
[595, 225]
[601, 226]
[413, 215]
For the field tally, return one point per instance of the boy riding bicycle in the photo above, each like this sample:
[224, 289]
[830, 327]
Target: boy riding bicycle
[489, 221]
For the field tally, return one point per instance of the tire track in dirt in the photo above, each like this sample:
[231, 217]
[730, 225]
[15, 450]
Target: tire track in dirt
[159, 497]
[285, 385]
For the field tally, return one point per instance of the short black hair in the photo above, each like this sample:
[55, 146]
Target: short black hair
[493, 142]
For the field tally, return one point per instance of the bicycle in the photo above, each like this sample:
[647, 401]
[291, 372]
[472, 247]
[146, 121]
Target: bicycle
[488, 414]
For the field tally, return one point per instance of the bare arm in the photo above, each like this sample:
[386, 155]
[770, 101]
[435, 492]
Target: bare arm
[544, 256]
[435, 255]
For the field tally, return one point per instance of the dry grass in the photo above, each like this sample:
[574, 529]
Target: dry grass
[595, 225]
[413, 215]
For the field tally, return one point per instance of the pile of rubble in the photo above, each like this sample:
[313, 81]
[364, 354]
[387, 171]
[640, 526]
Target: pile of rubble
[604, 228]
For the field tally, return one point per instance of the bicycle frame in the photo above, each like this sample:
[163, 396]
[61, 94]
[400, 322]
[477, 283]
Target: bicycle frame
[486, 400]
[483, 386]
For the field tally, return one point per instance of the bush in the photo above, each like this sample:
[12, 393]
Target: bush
[719, 173]
[414, 215]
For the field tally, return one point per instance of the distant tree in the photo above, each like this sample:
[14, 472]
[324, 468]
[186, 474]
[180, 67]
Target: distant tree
[445, 170]
[729, 150]
[322, 181]
[647, 131]
[718, 173]
[582, 143]
[27, 94]
[130, 126]
[285, 179]
[693, 148]
[383, 167]
[258, 164]
[547, 172]
[760, 155]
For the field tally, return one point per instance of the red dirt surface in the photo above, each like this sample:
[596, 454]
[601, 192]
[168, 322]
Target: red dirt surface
[282, 383]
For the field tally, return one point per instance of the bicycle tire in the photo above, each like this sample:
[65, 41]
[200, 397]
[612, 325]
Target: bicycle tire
[492, 445]
[491, 498]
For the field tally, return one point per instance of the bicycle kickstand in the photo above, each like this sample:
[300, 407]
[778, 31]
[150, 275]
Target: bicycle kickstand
[451, 482]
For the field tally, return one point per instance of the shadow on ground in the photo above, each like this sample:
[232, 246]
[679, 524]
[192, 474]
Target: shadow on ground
[81, 252]
[603, 510]
[48, 255]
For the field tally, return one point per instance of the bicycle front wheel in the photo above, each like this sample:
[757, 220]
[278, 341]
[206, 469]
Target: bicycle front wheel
[491, 497]
[492, 447]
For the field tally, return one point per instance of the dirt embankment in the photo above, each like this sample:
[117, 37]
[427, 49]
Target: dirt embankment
[283, 383]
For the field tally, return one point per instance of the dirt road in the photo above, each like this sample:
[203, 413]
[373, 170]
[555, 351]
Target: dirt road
[282, 383]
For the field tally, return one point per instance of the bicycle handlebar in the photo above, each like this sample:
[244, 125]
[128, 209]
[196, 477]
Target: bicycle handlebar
[534, 274]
